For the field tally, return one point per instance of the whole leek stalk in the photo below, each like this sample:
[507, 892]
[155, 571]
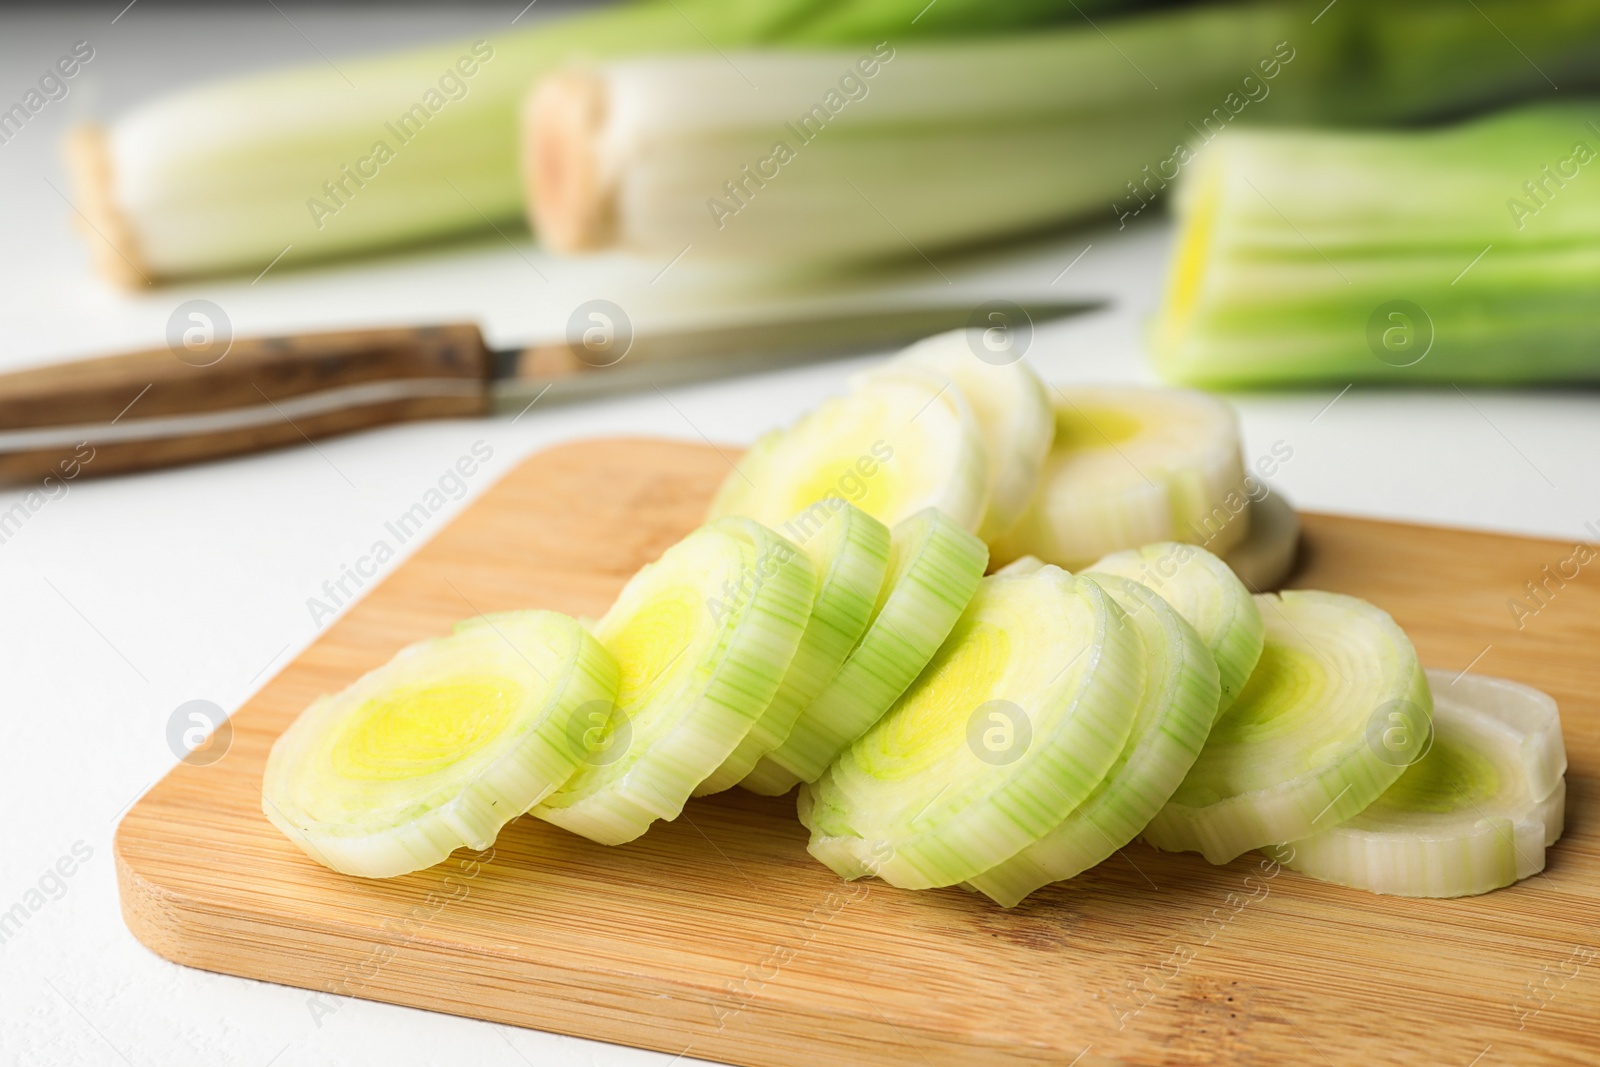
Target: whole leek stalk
[877, 150]
[913, 147]
[331, 160]
[1466, 254]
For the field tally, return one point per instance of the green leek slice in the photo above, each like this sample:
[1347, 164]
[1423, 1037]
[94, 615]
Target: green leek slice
[1307, 744]
[934, 568]
[893, 446]
[1473, 813]
[1011, 407]
[1170, 725]
[440, 747]
[1021, 714]
[702, 638]
[1205, 591]
[849, 552]
[1129, 466]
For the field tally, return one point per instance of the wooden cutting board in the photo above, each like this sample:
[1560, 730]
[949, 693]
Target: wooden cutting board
[717, 936]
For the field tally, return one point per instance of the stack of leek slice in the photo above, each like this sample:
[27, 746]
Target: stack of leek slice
[742, 654]
[1066, 716]
[998, 733]
[1067, 474]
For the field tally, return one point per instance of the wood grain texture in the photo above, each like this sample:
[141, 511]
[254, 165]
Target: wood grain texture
[716, 933]
[255, 391]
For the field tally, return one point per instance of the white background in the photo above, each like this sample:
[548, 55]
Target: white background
[131, 595]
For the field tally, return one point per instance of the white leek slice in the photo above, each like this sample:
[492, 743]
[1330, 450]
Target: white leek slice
[934, 568]
[1170, 725]
[1266, 557]
[703, 638]
[849, 552]
[1021, 714]
[1012, 410]
[1206, 592]
[1308, 742]
[892, 447]
[1475, 812]
[1129, 466]
[440, 747]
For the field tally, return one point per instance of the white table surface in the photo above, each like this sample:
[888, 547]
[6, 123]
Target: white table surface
[129, 596]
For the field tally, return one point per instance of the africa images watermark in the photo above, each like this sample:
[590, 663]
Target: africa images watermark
[738, 995]
[52, 86]
[1134, 997]
[1251, 489]
[49, 887]
[1252, 89]
[352, 578]
[1543, 189]
[452, 85]
[1540, 592]
[1537, 997]
[355, 977]
[852, 86]
[12, 519]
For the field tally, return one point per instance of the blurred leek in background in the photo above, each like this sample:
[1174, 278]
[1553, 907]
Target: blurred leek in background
[1467, 254]
[328, 161]
[836, 155]
[975, 139]
[855, 154]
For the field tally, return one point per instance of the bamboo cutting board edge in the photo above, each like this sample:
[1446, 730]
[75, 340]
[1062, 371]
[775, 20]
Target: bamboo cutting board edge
[662, 979]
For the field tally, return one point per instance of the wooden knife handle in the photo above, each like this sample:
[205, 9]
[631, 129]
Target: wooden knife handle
[181, 404]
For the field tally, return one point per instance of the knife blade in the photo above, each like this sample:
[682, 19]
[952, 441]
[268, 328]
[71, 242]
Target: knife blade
[229, 396]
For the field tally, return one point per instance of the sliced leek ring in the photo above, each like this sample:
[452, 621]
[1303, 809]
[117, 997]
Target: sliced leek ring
[1170, 724]
[1475, 812]
[1308, 742]
[1266, 557]
[703, 638]
[1013, 413]
[440, 747]
[1206, 592]
[934, 568]
[849, 552]
[1130, 466]
[894, 446]
[1022, 712]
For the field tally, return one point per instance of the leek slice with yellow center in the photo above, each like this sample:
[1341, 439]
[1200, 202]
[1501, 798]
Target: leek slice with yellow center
[1021, 714]
[1170, 725]
[893, 446]
[1475, 812]
[934, 568]
[1210, 597]
[1130, 466]
[1011, 408]
[849, 552]
[440, 747]
[1317, 734]
[703, 638]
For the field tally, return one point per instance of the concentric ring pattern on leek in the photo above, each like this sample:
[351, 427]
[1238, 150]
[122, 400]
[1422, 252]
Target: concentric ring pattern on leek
[440, 747]
[696, 673]
[1047, 658]
[849, 553]
[1170, 723]
[830, 627]
[934, 567]
[1067, 474]
[1291, 756]
[1475, 812]
[1129, 466]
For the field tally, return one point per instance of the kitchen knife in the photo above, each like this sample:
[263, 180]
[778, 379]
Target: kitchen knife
[219, 397]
